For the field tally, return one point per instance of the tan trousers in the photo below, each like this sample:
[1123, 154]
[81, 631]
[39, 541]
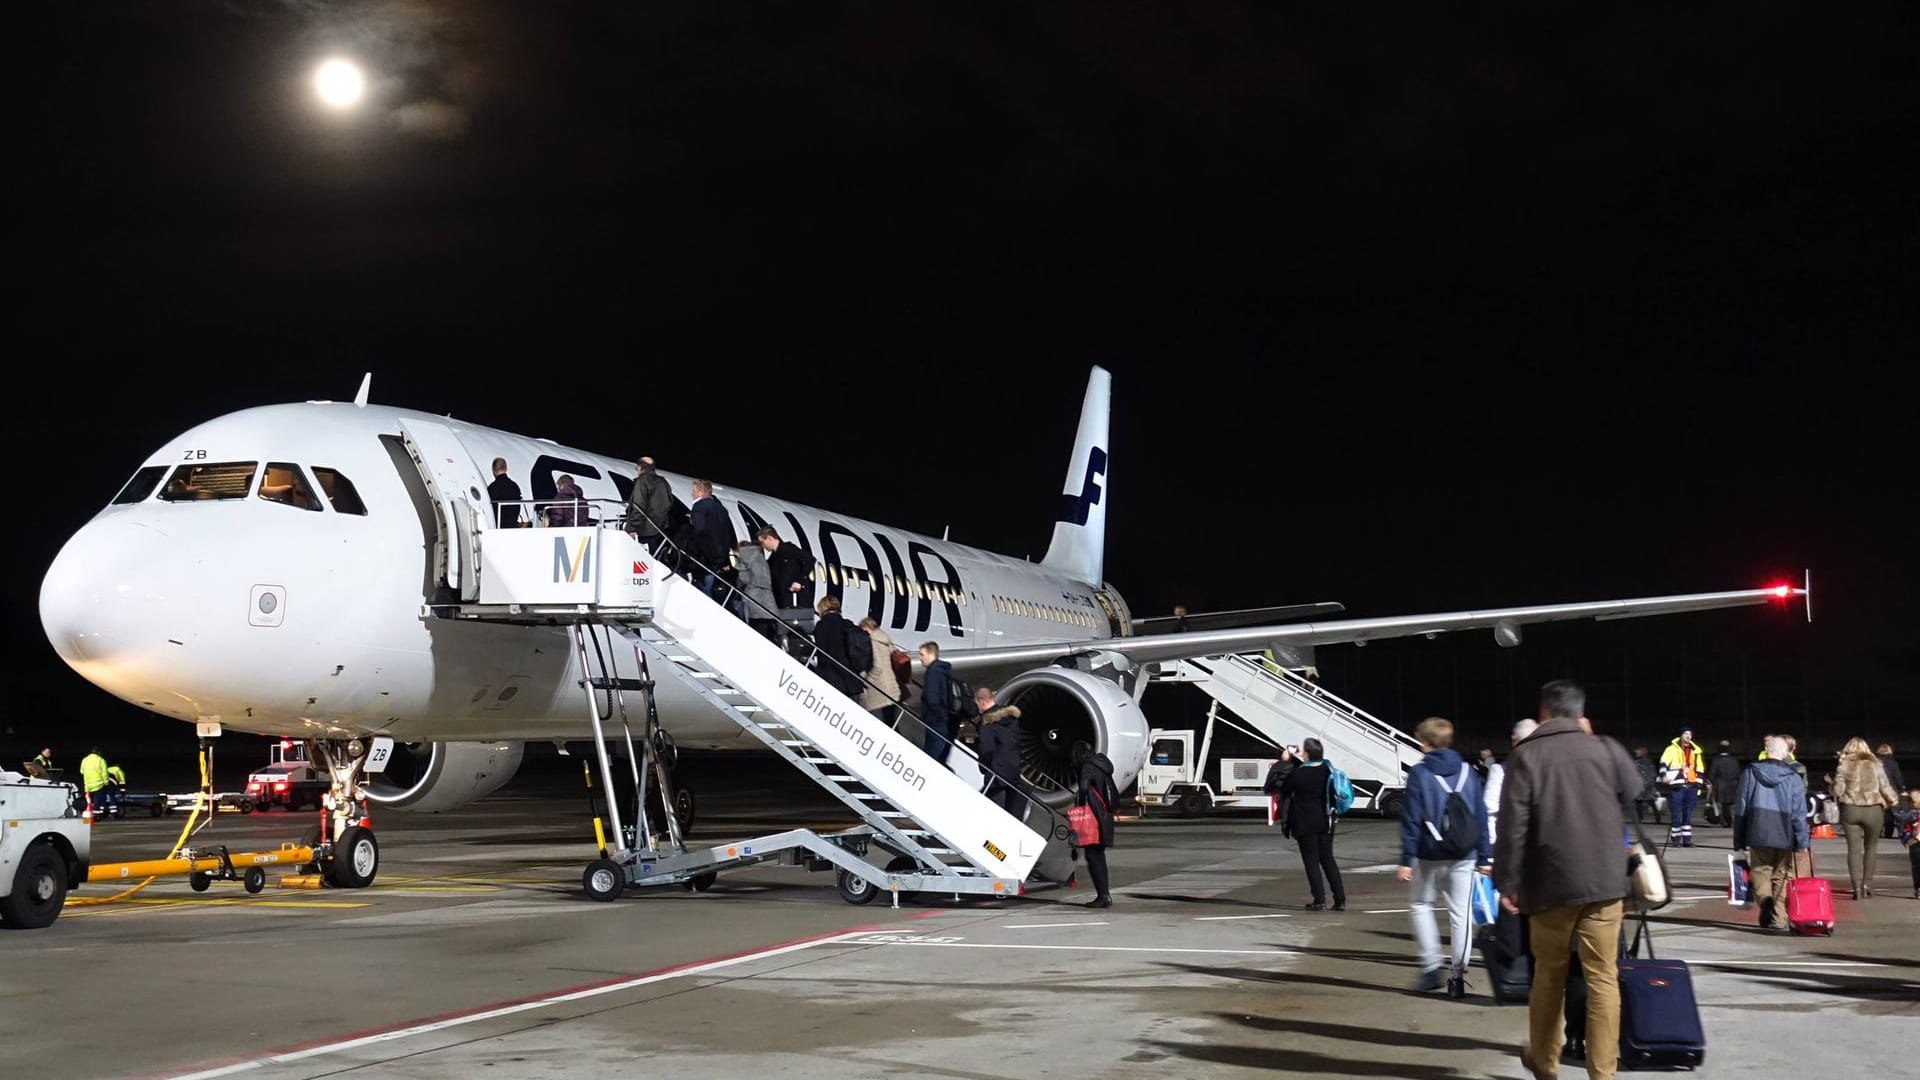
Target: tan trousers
[1771, 869]
[1552, 933]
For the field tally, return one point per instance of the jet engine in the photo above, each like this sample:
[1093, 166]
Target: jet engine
[430, 777]
[1060, 707]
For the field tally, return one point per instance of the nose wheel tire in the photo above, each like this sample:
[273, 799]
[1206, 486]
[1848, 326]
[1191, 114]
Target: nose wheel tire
[39, 889]
[603, 880]
[356, 859]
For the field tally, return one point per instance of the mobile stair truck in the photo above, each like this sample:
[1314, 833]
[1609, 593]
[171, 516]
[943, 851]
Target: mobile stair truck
[45, 842]
[1276, 707]
[922, 828]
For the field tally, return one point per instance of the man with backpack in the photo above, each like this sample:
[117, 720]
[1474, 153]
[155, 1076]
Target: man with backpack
[944, 701]
[1443, 839]
[1311, 798]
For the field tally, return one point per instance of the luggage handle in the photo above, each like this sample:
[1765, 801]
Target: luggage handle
[1643, 932]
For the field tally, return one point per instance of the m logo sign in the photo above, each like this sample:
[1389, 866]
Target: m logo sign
[571, 564]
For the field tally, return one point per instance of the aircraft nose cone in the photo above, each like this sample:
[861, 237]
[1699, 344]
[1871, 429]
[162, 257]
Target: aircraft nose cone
[92, 595]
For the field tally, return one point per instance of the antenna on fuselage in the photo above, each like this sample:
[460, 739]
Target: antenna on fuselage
[366, 386]
[944, 530]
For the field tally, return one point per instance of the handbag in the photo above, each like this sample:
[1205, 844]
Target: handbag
[1085, 825]
[1486, 901]
[1646, 874]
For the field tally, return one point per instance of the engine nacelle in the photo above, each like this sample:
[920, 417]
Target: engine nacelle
[430, 777]
[1063, 706]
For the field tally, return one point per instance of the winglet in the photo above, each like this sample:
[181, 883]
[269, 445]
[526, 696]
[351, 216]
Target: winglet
[366, 386]
[1808, 572]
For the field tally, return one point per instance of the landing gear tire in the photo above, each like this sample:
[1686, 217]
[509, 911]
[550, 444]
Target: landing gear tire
[256, 879]
[199, 882]
[39, 889]
[1391, 806]
[603, 880]
[854, 889]
[701, 882]
[683, 808]
[356, 859]
[1195, 804]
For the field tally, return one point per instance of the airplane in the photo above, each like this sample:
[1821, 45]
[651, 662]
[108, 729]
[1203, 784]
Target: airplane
[274, 570]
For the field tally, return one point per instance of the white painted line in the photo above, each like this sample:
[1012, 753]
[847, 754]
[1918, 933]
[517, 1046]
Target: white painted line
[1794, 963]
[508, 1010]
[1079, 948]
[1235, 918]
[1050, 925]
[1390, 911]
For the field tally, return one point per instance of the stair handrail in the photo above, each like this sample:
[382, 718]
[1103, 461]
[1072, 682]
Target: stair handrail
[1300, 686]
[1056, 827]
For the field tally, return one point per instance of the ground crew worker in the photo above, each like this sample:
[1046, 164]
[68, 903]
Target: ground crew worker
[93, 774]
[1682, 766]
[117, 788]
[43, 761]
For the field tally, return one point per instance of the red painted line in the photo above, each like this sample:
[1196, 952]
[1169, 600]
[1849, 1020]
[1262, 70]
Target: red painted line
[510, 1002]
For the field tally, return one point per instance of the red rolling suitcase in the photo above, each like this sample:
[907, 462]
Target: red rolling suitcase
[1810, 904]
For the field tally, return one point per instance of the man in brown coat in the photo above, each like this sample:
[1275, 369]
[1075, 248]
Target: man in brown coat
[1560, 859]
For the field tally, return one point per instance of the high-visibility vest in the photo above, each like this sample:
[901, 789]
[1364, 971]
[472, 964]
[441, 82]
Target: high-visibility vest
[93, 772]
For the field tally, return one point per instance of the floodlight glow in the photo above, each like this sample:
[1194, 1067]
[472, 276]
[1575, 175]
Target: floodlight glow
[339, 84]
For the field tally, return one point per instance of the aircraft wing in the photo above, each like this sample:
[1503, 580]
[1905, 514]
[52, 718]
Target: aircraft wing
[1228, 620]
[1147, 648]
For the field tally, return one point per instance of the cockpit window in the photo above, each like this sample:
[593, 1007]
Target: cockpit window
[282, 482]
[223, 480]
[141, 485]
[340, 491]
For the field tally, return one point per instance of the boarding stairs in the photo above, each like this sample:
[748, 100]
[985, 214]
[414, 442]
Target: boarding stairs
[1284, 708]
[633, 621]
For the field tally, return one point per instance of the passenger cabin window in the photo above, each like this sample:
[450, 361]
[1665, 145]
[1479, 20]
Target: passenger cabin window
[140, 486]
[282, 482]
[340, 491]
[200, 483]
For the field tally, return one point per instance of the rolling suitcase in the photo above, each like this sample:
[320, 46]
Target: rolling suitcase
[1659, 1017]
[1810, 904]
[1503, 949]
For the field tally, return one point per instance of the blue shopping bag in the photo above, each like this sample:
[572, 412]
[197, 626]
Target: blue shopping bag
[1486, 901]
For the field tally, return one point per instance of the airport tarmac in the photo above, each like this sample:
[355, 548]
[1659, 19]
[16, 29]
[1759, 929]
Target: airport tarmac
[474, 952]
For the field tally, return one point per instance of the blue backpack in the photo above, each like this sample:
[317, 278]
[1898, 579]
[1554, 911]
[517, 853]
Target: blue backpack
[1339, 789]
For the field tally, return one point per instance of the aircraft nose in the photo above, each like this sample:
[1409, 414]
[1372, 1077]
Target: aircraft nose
[96, 590]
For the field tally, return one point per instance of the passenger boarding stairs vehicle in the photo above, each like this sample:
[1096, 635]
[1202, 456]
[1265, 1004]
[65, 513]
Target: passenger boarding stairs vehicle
[1279, 708]
[923, 827]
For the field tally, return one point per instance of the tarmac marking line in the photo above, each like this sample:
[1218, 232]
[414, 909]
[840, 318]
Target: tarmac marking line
[491, 1012]
[1389, 911]
[1235, 918]
[1050, 925]
[870, 940]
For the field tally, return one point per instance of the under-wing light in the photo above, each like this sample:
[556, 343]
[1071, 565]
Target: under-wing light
[1783, 591]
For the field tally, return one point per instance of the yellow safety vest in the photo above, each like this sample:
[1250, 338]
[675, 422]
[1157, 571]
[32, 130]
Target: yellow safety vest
[93, 772]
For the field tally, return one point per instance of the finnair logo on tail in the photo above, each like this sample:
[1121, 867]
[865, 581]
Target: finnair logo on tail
[1075, 508]
[571, 565]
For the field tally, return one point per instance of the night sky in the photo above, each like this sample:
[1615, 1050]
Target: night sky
[1412, 310]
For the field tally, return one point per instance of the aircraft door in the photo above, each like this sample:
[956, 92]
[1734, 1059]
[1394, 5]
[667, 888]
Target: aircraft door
[457, 488]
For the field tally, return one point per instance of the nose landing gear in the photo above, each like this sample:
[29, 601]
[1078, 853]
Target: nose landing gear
[345, 850]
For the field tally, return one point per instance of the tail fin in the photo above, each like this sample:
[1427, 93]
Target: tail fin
[1080, 535]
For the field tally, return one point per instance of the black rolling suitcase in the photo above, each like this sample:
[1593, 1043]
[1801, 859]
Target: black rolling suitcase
[1659, 1016]
[1509, 964]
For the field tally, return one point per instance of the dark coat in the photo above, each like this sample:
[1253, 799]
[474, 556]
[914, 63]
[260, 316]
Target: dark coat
[1561, 839]
[1305, 805]
[933, 696]
[504, 490]
[1893, 773]
[1276, 775]
[1724, 776]
[1771, 808]
[570, 508]
[830, 637]
[1648, 772]
[999, 743]
[649, 505]
[1096, 775]
[789, 565]
[713, 536]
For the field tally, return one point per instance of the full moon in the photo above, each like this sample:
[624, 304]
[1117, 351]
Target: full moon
[339, 83]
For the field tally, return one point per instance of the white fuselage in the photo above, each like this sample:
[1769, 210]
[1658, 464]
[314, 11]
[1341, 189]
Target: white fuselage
[160, 602]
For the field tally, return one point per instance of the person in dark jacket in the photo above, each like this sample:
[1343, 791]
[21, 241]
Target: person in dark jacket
[1646, 801]
[649, 505]
[1277, 772]
[1770, 824]
[713, 540]
[1723, 783]
[1892, 827]
[1442, 774]
[1097, 793]
[792, 573]
[1559, 859]
[935, 710]
[999, 750]
[570, 507]
[830, 632]
[506, 497]
[1307, 807]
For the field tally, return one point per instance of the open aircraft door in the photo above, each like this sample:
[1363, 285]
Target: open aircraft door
[456, 485]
